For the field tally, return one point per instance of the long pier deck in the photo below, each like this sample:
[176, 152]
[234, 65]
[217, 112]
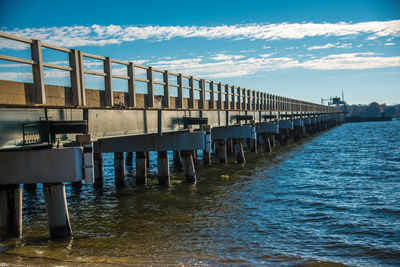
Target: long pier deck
[53, 134]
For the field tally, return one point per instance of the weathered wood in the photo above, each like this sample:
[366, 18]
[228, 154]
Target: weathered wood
[10, 212]
[74, 77]
[108, 87]
[131, 85]
[37, 71]
[150, 88]
[180, 91]
[57, 210]
[81, 75]
[166, 103]
[202, 94]
[191, 92]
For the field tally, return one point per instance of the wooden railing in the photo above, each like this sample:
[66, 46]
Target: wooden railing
[224, 97]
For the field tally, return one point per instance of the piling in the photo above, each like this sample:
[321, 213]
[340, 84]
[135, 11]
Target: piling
[57, 210]
[297, 133]
[119, 168]
[188, 166]
[177, 159]
[206, 157]
[141, 167]
[98, 169]
[221, 151]
[267, 143]
[10, 211]
[129, 158]
[163, 167]
[238, 145]
[283, 136]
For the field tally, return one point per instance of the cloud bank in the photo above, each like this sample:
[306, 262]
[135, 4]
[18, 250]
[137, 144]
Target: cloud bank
[225, 65]
[98, 35]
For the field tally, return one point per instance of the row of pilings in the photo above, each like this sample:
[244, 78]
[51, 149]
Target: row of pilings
[55, 196]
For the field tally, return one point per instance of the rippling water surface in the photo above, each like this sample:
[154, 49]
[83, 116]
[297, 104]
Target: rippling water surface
[332, 199]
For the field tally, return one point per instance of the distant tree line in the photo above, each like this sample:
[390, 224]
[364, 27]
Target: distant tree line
[373, 110]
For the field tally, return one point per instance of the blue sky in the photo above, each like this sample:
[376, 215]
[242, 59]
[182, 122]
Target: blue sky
[299, 49]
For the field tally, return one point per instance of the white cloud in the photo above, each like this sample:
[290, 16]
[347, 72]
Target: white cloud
[352, 61]
[329, 45]
[320, 46]
[390, 44]
[97, 35]
[220, 57]
[236, 67]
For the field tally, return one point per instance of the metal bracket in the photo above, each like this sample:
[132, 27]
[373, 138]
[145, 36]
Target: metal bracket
[46, 131]
[194, 121]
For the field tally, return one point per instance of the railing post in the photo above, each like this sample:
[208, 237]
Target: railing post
[219, 103]
[234, 107]
[227, 102]
[248, 96]
[150, 88]
[180, 91]
[211, 106]
[265, 101]
[202, 93]
[166, 89]
[191, 92]
[131, 85]
[75, 78]
[239, 98]
[108, 82]
[37, 72]
[81, 76]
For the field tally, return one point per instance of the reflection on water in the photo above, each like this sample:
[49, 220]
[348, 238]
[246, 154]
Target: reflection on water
[331, 199]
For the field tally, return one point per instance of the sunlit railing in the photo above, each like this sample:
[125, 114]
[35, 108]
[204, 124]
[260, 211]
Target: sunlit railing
[223, 97]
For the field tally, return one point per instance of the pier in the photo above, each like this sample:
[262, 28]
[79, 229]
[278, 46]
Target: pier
[55, 134]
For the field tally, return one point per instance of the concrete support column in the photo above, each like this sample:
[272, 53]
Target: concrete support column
[119, 168]
[10, 211]
[30, 188]
[177, 159]
[129, 158]
[272, 140]
[57, 210]
[238, 144]
[98, 169]
[188, 166]
[163, 167]
[253, 145]
[297, 132]
[267, 143]
[221, 150]
[148, 158]
[303, 132]
[206, 157]
[229, 146]
[283, 136]
[141, 167]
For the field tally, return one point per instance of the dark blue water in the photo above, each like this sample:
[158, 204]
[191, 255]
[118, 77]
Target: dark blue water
[331, 199]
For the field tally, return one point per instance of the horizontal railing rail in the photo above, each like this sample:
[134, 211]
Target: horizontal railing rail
[219, 96]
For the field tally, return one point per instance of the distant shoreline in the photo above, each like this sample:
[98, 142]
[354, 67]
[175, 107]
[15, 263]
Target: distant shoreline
[365, 119]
